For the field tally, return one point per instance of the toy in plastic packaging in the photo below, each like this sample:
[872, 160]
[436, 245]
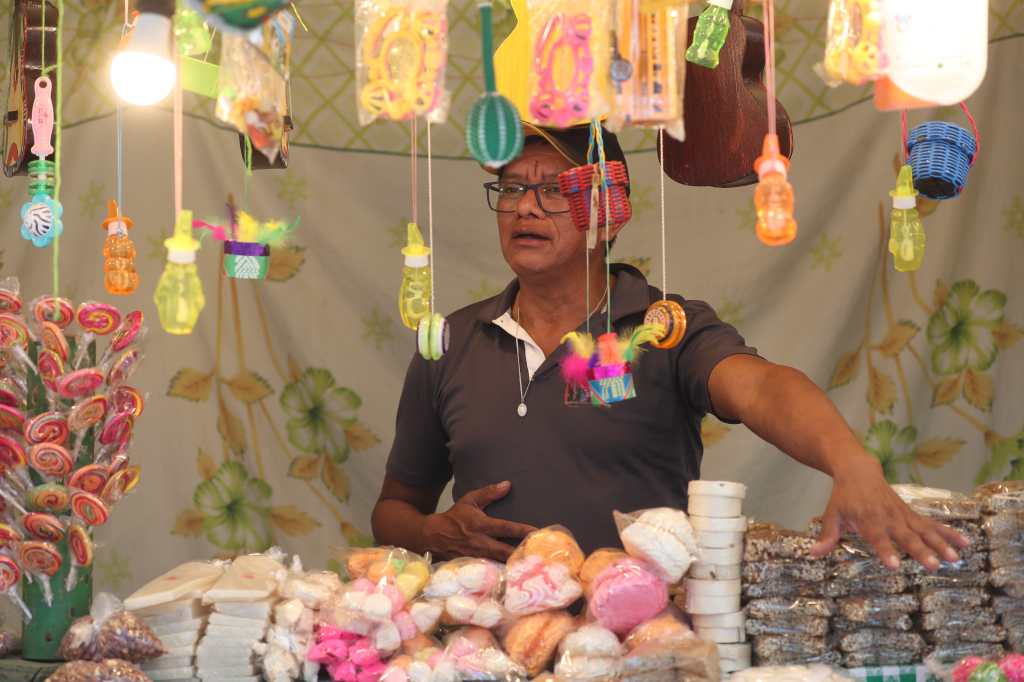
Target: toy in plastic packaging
[854, 51]
[106, 671]
[401, 56]
[110, 632]
[252, 95]
[590, 653]
[626, 594]
[647, 71]
[661, 537]
[531, 641]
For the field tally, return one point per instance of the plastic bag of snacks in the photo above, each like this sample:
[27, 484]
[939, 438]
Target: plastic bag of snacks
[110, 632]
[590, 653]
[788, 673]
[542, 573]
[626, 594]
[936, 503]
[407, 571]
[569, 42]
[377, 611]
[1001, 496]
[106, 671]
[422, 659]
[252, 95]
[647, 67]
[401, 56]
[470, 590]
[476, 655]
[531, 641]
[666, 645]
[662, 537]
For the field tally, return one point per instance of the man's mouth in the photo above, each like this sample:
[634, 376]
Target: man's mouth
[529, 237]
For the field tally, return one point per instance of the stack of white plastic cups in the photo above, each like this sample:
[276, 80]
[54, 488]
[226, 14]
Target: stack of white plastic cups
[713, 583]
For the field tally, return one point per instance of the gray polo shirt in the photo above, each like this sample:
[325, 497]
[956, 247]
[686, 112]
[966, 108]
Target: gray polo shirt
[568, 465]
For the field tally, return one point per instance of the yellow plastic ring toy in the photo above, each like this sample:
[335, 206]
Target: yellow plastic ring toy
[670, 317]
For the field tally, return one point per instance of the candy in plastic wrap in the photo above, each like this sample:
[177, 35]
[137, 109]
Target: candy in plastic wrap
[952, 600]
[532, 640]
[927, 581]
[881, 639]
[477, 656]
[534, 585]
[792, 673]
[590, 653]
[1007, 557]
[765, 545]
[407, 571]
[981, 633]
[1000, 496]
[625, 595]
[939, 504]
[1003, 604]
[554, 544]
[781, 608]
[784, 589]
[125, 636]
[1004, 527]
[987, 672]
[771, 647]
[884, 584]
[861, 609]
[951, 653]
[105, 671]
[767, 571]
[861, 659]
[661, 537]
[958, 620]
[681, 658]
[816, 627]
[894, 621]
[252, 95]
[466, 578]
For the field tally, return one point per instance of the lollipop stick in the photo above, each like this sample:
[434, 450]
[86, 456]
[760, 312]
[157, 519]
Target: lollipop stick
[72, 579]
[23, 358]
[13, 596]
[44, 580]
[13, 501]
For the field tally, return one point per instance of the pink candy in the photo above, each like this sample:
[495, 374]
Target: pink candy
[1013, 667]
[406, 627]
[964, 668]
[348, 658]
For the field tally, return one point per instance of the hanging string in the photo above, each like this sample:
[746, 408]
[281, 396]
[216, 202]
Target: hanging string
[248, 173]
[412, 163]
[769, 58]
[430, 217]
[599, 143]
[59, 125]
[661, 175]
[903, 136]
[119, 145]
[178, 145]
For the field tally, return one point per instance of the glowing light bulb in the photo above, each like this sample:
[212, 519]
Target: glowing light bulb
[179, 294]
[773, 197]
[906, 233]
[143, 70]
[414, 294]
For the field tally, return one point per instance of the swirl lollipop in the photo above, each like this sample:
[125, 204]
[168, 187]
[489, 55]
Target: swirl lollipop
[41, 560]
[48, 427]
[128, 400]
[43, 526]
[81, 551]
[89, 508]
[121, 482]
[11, 418]
[56, 310]
[12, 456]
[13, 331]
[10, 301]
[98, 318]
[52, 338]
[92, 478]
[130, 329]
[9, 535]
[117, 430]
[12, 394]
[80, 383]
[87, 413]
[49, 497]
[10, 578]
[51, 460]
[124, 366]
[51, 368]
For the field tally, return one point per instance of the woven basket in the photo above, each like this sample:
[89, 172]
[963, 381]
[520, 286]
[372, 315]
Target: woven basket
[577, 183]
[941, 155]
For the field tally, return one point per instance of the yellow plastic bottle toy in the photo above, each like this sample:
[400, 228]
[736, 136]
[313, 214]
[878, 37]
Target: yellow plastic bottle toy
[414, 295]
[773, 197]
[179, 294]
[906, 233]
[119, 275]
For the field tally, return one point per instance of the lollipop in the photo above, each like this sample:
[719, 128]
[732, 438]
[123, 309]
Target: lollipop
[53, 339]
[80, 383]
[118, 430]
[92, 478]
[10, 301]
[51, 497]
[51, 368]
[81, 551]
[43, 526]
[10, 578]
[56, 310]
[42, 560]
[89, 508]
[129, 330]
[123, 367]
[87, 413]
[127, 400]
[98, 318]
[51, 460]
[12, 456]
[12, 395]
[11, 418]
[48, 427]
[13, 331]
[9, 535]
[120, 483]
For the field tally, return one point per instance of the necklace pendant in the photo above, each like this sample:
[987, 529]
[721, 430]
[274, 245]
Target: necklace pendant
[521, 410]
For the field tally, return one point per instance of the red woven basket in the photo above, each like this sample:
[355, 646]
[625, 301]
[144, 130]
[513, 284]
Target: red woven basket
[577, 183]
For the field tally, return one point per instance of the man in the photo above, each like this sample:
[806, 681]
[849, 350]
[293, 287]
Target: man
[491, 412]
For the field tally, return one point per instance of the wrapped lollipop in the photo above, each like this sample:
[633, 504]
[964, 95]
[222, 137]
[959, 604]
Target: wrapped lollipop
[117, 431]
[127, 400]
[95, 319]
[92, 478]
[14, 338]
[10, 578]
[53, 339]
[52, 461]
[51, 370]
[123, 367]
[10, 296]
[41, 561]
[80, 550]
[56, 310]
[120, 483]
[10, 536]
[89, 508]
[80, 384]
[15, 461]
[12, 392]
[84, 415]
[49, 497]
[48, 427]
[130, 331]
[11, 418]
[43, 526]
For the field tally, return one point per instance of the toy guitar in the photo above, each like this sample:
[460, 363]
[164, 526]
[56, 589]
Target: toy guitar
[726, 113]
[26, 56]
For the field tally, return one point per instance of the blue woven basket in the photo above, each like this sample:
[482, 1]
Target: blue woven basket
[941, 155]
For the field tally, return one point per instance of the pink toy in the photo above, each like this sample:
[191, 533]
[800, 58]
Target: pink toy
[1013, 667]
[42, 118]
[534, 585]
[964, 668]
[626, 594]
[563, 35]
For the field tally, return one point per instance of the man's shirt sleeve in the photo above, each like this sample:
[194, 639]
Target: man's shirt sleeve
[419, 455]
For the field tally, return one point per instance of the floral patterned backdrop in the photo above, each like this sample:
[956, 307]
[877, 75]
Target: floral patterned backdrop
[272, 422]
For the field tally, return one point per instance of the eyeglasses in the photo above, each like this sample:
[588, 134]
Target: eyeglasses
[503, 197]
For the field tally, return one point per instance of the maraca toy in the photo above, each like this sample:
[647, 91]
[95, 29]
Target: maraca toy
[119, 275]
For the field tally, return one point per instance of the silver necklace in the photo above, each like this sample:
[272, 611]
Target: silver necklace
[521, 408]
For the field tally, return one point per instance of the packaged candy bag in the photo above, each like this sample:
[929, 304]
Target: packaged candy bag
[106, 671]
[110, 632]
[590, 653]
[476, 655]
[401, 56]
[470, 590]
[252, 95]
[407, 571]
[531, 641]
[541, 574]
[665, 644]
[626, 594]
[661, 537]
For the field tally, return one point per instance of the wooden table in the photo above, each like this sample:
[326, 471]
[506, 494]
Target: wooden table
[17, 670]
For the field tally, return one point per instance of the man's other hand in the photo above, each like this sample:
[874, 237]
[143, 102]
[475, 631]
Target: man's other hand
[466, 530]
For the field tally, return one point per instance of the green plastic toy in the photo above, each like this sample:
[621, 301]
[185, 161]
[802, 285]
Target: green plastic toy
[493, 133]
[710, 34]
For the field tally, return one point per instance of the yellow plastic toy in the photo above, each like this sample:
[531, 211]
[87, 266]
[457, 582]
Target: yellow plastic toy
[414, 294]
[906, 233]
[179, 294]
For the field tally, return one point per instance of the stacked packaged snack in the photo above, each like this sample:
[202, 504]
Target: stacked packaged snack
[713, 586]
[1003, 524]
[787, 606]
[110, 632]
[956, 616]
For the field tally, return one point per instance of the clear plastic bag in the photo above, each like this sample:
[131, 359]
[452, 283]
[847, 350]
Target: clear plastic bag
[589, 654]
[476, 655]
[991, 633]
[1001, 496]
[775, 608]
[661, 537]
[830, 657]
[401, 57]
[647, 69]
[894, 621]
[783, 589]
[532, 641]
[466, 578]
[665, 644]
[854, 52]
[939, 504]
[1006, 557]
[377, 611]
[861, 659]
[1010, 579]
[880, 639]
[769, 544]
[626, 594]
[252, 96]
[766, 571]
[894, 583]
[863, 608]
[792, 647]
[808, 673]
[815, 627]
[952, 600]
[407, 571]
[597, 562]
[570, 49]
[552, 544]
[1005, 527]
[534, 585]
[106, 671]
[951, 653]
[110, 632]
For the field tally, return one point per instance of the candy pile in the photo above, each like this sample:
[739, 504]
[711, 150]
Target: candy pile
[1003, 506]
[53, 403]
[713, 586]
[977, 669]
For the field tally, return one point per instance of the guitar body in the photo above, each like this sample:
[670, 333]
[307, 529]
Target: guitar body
[25, 66]
[726, 113]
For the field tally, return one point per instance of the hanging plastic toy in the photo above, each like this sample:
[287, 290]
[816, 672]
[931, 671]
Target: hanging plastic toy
[41, 215]
[119, 275]
[414, 294]
[602, 370]
[191, 34]
[493, 133]
[710, 34]
[247, 242]
[853, 47]
[942, 155]
[235, 15]
[906, 234]
[179, 294]
[597, 191]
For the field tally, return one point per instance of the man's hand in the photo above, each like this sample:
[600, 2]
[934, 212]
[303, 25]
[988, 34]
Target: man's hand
[863, 502]
[465, 530]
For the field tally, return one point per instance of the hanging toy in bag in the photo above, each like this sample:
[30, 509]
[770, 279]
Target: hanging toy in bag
[493, 133]
[41, 216]
[235, 16]
[853, 47]
[941, 155]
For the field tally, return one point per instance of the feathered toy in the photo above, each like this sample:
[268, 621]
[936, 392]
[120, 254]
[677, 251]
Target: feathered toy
[600, 373]
[247, 241]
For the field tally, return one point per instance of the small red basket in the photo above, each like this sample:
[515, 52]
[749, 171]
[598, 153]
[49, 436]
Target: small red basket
[577, 184]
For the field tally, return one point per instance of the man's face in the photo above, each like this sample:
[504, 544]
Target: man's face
[533, 241]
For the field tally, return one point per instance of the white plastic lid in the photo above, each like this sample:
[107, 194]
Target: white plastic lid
[737, 619]
[904, 202]
[712, 588]
[735, 524]
[417, 261]
[181, 257]
[720, 488]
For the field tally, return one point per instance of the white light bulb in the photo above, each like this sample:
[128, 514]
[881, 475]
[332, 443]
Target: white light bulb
[142, 72]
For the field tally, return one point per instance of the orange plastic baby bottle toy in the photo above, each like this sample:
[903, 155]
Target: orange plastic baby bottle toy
[119, 275]
[773, 198]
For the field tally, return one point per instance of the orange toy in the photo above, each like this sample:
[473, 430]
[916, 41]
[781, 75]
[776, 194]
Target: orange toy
[119, 275]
